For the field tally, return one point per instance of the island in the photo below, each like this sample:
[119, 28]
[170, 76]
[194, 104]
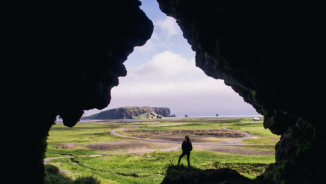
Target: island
[145, 112]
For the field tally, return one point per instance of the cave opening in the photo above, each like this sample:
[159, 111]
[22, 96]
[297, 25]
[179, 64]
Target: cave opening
[163, 73]
[64, 62]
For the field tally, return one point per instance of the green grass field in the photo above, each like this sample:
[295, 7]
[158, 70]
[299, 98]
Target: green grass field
[82, 133]
[261, 148]
[150, 167]
[264, 136]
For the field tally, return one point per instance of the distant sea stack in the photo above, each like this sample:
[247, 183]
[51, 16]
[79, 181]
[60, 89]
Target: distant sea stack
[132, 113]
[173, 115]
[186, 116]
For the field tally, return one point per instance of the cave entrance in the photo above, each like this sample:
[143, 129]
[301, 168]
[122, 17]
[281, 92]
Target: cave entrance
[163, 73]
[58, 65]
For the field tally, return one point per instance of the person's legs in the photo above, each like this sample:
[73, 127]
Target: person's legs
[188, 156]
[182, 154]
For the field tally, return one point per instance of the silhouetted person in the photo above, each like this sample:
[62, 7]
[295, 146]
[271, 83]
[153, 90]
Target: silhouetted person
[186, 148]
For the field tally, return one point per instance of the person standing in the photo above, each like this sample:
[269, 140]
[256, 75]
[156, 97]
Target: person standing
[186, 148]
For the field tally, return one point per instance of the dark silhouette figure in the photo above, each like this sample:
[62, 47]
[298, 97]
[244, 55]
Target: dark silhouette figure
[186, 148]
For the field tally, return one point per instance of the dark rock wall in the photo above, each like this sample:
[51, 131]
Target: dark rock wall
[297, 140]
[58, 58]
[272, 53]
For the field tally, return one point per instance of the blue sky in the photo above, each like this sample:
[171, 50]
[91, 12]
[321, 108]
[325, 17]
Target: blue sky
[162, 73]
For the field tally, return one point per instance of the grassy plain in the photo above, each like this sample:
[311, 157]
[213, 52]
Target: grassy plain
[151, 167]
[84, 133]
[264, 136]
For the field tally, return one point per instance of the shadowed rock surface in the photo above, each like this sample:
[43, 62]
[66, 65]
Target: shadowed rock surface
[210, 176]
[272, 53]
[132, 113]
[59, 58]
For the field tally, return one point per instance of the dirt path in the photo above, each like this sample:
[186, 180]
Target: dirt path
[247, 136]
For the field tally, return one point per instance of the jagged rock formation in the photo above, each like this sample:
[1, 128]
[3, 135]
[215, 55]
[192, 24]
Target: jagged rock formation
[272, 53]
[58, 58]
[132, 113]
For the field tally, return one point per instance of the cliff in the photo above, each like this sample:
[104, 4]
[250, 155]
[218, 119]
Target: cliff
[132, 113]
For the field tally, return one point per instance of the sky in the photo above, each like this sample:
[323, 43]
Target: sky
[163, 73]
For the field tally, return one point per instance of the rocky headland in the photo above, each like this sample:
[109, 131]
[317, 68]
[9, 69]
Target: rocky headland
[132, 113]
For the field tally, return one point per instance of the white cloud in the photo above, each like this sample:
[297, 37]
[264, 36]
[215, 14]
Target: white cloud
[205, 87]
[170, 25]
[165, 64]
[154, 36]
[202, 97]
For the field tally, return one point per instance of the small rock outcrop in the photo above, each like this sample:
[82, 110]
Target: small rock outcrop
[132, 113]
[210, 176]
[173, 115]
